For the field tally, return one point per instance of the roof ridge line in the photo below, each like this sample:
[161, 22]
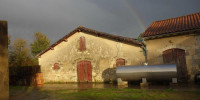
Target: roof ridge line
[94, 32]
[176, 17]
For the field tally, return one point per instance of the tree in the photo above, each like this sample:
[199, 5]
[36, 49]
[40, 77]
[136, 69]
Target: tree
[19, 54]
[41, 42]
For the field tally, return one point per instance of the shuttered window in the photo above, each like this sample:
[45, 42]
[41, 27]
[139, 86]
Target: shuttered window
[120, 62]
[56, 66]
[82, 45]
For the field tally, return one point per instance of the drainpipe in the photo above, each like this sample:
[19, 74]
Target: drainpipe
[144, 52]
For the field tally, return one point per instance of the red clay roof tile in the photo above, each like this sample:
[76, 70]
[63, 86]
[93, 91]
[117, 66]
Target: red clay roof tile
[178, 24]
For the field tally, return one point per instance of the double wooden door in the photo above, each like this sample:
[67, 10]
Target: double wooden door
[84, 71]
[177, 56]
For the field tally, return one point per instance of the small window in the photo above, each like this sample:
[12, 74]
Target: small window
[56, 66]
[82, 46]
[120, 62]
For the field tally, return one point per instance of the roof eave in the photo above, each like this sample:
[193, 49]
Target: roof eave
[171, 34]
[130, 41]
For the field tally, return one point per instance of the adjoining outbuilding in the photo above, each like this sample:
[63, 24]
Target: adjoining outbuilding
[87, 55]
[175, 40]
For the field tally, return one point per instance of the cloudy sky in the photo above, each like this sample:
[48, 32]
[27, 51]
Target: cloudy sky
[56, 18]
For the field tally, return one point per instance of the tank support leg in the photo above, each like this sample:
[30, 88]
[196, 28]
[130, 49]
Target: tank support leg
[121, 83]
[174, 80]
[144, 83]
[174, 83]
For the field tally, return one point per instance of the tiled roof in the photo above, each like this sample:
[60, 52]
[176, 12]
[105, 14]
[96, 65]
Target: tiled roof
[178, 24]
[95, 33]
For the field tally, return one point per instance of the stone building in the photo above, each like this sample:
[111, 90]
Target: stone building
[175, 40]
[4, 83]
[86, 55]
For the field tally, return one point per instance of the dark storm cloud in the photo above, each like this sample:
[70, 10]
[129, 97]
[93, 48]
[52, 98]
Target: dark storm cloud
[56, 18]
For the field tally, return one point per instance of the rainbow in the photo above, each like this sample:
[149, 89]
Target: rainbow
[135, 15]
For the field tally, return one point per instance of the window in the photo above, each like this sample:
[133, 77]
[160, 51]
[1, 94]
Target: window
[82, 46]
[120, 62]
[56, 66]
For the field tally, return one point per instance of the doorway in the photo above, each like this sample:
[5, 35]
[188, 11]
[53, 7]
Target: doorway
[84, 71]
[177, 56]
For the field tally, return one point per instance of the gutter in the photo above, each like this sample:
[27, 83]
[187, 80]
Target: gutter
[144, 52]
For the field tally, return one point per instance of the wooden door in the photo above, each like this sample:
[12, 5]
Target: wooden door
[80, 71]
[84, 71]
[177, 56]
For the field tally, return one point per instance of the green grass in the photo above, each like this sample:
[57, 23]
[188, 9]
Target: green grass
[125, 94]
[109, 94]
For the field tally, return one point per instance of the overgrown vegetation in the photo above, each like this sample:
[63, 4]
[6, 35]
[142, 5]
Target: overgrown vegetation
[41, 42]
[20, 53]
[23, 75]
[139, 38]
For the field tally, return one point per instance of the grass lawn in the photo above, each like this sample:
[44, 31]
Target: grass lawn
[106, 94]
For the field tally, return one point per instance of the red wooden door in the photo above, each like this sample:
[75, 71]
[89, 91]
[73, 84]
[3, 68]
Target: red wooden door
[177, 56]
[89, 71]
[84, 71]
[80, 72]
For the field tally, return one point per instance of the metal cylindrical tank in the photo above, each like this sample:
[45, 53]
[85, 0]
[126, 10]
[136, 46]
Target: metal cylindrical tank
[150, 72]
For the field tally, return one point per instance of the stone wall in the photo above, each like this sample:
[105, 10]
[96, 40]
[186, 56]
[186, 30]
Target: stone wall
[189, 43]
[4, 83]
[196, 56]
[100, 51]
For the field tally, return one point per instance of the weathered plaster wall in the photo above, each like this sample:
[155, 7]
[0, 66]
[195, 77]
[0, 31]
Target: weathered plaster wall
[4, 83]
[195, 69]
[100, 51]
[189, 43]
